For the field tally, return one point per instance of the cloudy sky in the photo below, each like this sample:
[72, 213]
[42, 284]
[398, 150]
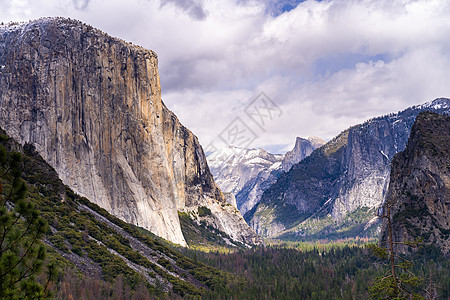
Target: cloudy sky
[322, 66]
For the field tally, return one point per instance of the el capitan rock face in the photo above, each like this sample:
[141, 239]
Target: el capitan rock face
[91, 105]
[419, 187]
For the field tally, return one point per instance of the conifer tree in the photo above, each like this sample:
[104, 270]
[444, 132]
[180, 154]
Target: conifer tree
[21, 230]
[398, 280]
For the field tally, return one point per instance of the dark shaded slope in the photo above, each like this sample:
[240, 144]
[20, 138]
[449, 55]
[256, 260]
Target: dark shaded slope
[420, 185]
[300, 192]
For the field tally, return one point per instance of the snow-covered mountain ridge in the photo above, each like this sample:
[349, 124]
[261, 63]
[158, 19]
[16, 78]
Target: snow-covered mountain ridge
[246, 173]
[232, 167]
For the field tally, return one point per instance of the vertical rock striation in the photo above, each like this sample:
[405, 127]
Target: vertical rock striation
[91, 105]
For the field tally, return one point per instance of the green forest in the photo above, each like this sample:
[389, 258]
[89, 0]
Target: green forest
[314, 271]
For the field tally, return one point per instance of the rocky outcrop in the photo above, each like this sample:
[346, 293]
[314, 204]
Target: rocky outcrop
[91, 105]
[419, 188]
[231, 199]
[348, 173]
[303, 148]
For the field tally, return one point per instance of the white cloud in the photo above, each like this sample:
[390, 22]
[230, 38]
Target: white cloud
[327, 64]
[193, 8]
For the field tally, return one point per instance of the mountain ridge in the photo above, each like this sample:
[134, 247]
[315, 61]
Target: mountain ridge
[302, 148]
[246, 173]
[349, 173]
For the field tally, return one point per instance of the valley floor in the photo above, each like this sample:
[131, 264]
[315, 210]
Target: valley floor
[336, 270]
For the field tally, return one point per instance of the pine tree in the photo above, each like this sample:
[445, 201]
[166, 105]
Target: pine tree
[398, 280]
[22, 253]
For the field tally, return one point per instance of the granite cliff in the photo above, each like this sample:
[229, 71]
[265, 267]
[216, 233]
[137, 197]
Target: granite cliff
[419, 188]
[335, 191]
[91, 105]
[303, 148]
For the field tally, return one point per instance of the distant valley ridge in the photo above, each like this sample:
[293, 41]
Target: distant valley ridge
[334, 192]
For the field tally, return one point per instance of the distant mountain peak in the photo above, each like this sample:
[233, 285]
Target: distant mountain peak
[303, 147]
[232, 166]
[248, 172]
[317, 142]
[438, 103]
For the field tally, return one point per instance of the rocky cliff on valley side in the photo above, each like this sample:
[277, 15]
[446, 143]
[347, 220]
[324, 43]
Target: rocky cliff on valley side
[419, 188]
[91, 105]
